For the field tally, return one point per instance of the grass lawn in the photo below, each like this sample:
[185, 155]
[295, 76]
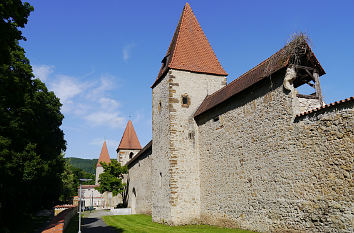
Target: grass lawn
[143, 223]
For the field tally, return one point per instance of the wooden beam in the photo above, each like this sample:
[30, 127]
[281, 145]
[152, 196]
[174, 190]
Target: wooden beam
[318, 86]
[307, 96]
[304, 67]
[309, 73]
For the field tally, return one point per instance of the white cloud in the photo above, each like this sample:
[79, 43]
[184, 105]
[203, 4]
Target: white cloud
[112, 119]
[108, 103]
[42, 71]
[110, 142]
[66, 87]
[86, 100]
[127, 51]
[101, 87]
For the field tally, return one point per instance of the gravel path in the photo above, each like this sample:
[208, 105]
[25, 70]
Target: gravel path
[93, 223]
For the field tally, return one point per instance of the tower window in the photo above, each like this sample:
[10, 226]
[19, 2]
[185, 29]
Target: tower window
[160, 180]
[185, 100]
[191, 135]
[159, 107]
[165, 60]
[131, 155]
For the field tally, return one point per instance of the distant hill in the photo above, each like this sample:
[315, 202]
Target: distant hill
[88, 165]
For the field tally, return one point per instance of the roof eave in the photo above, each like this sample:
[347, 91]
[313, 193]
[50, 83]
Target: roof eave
[146, 147]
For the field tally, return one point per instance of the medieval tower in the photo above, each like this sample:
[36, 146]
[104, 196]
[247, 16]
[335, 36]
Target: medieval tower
[254, 154]
[104, 157]
[129, 145]
[190, 71]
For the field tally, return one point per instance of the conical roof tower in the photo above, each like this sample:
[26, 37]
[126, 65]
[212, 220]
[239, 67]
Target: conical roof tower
[190, 49]
[104, 156]
[129, 140]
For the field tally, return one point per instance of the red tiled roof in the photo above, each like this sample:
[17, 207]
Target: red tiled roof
[326, 106]
[190, 49]
[104, 156]
[269, 66]
[129, 140]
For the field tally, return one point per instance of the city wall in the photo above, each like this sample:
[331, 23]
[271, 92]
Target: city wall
[264, 169]
[139, 182]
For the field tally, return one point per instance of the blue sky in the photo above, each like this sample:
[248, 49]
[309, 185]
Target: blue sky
[101, 57]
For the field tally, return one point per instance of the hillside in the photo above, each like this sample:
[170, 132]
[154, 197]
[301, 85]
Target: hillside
[88, 165]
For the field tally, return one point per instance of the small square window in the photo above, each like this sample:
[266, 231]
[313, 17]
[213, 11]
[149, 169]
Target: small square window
[185, 101]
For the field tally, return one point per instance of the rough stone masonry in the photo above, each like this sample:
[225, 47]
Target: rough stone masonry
[251, 154]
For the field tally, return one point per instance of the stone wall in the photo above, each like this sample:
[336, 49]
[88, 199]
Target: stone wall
[139, 181]
[61, 221]
[99, 171]
[160, 182]
[263, 171]
[304, 105]
[123, 156]
[181, 93]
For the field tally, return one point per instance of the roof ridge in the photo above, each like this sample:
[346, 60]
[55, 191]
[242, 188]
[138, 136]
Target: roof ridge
[242, 75]
[178, 35]
[272, 64]
[325, 106]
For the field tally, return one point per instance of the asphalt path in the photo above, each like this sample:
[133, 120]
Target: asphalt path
[93, 223]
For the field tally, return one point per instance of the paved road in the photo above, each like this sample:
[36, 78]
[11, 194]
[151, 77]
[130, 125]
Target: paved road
[93, 223]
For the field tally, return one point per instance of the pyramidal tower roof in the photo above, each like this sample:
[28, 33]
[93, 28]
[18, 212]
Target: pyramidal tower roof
[104, 156]
[129, 140]
[190, 49]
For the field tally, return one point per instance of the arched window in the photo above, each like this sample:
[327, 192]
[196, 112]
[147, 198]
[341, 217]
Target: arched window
[131, 155]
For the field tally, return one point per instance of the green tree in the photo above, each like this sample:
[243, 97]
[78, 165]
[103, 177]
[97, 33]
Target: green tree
[68, 185]
[31, 141]
[70, 182]
[79, 173]
[111, 180]
[13, 14]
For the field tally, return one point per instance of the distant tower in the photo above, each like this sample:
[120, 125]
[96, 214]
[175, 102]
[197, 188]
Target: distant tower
[190, 71]
[104, 157]
[129, 145]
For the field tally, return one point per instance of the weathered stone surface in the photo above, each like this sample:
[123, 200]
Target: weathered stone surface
[139, 184]
[123, 155]
[175, 159]
[263, 171]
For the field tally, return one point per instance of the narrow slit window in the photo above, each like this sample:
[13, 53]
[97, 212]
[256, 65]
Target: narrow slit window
[159, 107]
[160, 180]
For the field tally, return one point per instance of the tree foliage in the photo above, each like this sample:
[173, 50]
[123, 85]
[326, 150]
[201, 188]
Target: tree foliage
[111, 180]
[70, 182]
[31, 141]
[13, 14]
[88, 165]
